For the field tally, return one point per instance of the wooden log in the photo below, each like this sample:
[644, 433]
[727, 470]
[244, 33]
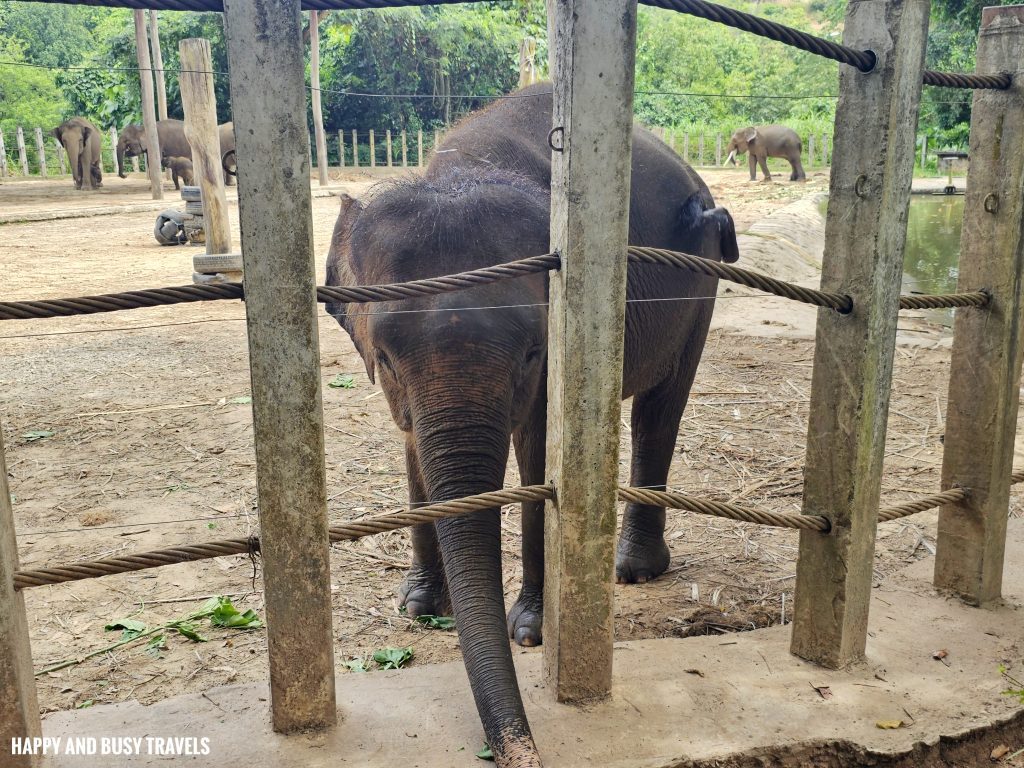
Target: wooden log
[419, 148]
[318, 112]
[41, 153]
[405, 150]
[341, 149]
[153, 156]
[593, 96]
[22, 154]
[19, 707]
[60, 155]
[268, 96]
[869, 195]
[387, 140]
[199, 102]
[355, 149]
[985, 371]
[3, 157]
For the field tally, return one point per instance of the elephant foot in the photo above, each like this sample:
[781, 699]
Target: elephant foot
[423, 592]
[638, 563]
[526, 616]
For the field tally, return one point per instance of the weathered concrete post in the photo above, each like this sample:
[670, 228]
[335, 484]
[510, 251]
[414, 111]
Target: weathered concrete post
[355, 149]
[60, 157]
[987, 343]
[41, 152]
[19, 708]
[158, 66]
[387, 141]
[700, 148]
[341, 149]
[866, 226]
[199, 102]
[268, 96]
[318, 112]
[113, 147]
[22, 154]
[718, 150]
[686, 146]
[810, 151]
[924, 149]
[405, 150]
[3, 156]
[419, 148]
[153, 156]
[373, 151]
[594, 53]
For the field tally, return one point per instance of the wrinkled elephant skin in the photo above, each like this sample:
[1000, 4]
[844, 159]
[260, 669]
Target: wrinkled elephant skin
[81, 140]
[132, 143]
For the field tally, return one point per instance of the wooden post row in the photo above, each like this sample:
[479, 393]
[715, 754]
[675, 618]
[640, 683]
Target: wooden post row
[41, 152]
[199, 103]
[22, 154]
[589, 222]
[987, 343]
[19, 708]
[865, 230]
[318, 113]
[153, 156]
[268, 96]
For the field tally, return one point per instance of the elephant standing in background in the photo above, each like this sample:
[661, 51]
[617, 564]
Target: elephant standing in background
[173, 143]
[463, 383]
[81, 140]
[181, 167]
[763, 141]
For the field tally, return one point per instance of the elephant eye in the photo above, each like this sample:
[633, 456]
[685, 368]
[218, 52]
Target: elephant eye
[534, 353]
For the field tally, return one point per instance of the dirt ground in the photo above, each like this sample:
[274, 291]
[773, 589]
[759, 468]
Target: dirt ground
[151, 448]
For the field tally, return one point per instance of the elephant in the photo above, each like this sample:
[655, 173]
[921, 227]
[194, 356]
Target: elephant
[132, 142]
[462, 384]
[81, 140]
[180, 166]
[764, 141]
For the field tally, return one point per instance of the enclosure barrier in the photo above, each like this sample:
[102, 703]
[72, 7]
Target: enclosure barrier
[865, 233]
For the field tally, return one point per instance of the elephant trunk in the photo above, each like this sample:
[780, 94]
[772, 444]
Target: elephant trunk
[459, 461]
[731, 158]
[85, 162]
[120, 159]
[74, 150]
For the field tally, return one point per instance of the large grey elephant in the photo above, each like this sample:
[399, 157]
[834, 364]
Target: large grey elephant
[461, 384]
[132, 142]
[763, 141]
[81, 140]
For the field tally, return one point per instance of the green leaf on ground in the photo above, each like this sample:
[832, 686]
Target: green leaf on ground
[156, 644]
[243, 400]
[485, 753]
[342, 381]
[226, 615]
[131, 627]
[187, 629]
[436, 622]
[37, 434]
[392, 658]
[84, 704]
[357, 665]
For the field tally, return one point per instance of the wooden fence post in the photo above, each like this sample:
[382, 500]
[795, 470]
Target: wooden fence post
[700, 148]
[60, 155]
[318, 113]
[153, 156]
[41, 152]
[718, 150]
[810, 151]
[824, 149]
[985, 371]
[437, 141]
[419, 147]
[924, 149]
[388, 143]
[373, 151]
[355, 149]
[19, 708]
[865, 230]
[113, 148]
[405, 150]
[672, 139]
[199, 103]
[268, 95]
[158, 66]
[22, 154]
[341, 149]
[589, 221]
[3, 157]
[686, 147]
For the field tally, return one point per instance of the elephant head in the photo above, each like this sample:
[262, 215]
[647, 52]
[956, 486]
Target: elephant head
[131, 143]
[740, 143]
[458, 379]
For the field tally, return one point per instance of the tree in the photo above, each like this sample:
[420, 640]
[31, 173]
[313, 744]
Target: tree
[29, 97]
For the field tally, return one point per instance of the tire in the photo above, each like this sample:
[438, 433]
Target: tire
[191, 194]
[218, 262]
[168, 229]
[195, 208]
[230, 277]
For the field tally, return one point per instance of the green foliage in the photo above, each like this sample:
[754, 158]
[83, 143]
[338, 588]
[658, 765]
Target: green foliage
[392, 658]
[29, 97]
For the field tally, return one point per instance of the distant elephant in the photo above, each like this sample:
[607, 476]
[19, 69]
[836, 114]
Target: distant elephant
[173, 143]
[181, 166]
[764, 141]
[81, 140]
[461, 383]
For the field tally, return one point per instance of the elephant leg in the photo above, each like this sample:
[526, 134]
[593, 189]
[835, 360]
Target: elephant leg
[526, 615]
[174, 178]
[763, 160]
[752, 162]
[798, 170]
[424, 591]
[642, 553]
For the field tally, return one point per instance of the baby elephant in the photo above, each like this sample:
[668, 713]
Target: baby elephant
[764, 141]
[181, 167]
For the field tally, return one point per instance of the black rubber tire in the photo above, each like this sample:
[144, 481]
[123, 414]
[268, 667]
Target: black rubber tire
[191, 194]
[206, 264]
[168, 229]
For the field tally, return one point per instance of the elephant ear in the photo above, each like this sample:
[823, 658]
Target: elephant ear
[751, 135]
[57, 133]
[339, 272]
[719, 235]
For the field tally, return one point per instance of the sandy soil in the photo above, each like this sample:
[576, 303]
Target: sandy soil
[148, 450]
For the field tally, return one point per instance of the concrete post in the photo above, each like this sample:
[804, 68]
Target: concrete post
[153, 156]
[987, 343]
[22, 154]
[810, 151]
[341, 149]
[60, 156]
[419, 148]
[594, 51]
[41, 152]
[113, 148]
[373, 151]
[718, 150]
[3, 157]
[318, 112]
[355, 149]
[268, 97]
[405, 150]
[866, 226]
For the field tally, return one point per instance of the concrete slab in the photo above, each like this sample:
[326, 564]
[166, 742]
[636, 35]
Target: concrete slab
[676, 702]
